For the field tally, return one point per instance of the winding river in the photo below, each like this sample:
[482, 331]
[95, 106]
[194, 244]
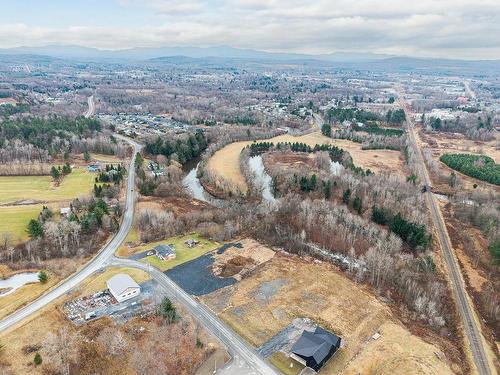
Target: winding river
[264, 181]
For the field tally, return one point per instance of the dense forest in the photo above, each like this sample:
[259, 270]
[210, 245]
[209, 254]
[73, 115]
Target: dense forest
[42, 132]
[181, 149]
[481, 167]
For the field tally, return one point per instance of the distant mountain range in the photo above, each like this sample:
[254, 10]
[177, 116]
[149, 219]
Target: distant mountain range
[79, 52]
[225, 55]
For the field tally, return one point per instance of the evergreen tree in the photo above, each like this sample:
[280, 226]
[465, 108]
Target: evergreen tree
[35, 229]
[54, 172]
[346, 197]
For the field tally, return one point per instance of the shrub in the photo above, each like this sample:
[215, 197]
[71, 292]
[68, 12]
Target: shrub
[43, 277]
[38, 359]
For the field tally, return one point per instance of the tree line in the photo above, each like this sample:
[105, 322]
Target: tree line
[481, 167]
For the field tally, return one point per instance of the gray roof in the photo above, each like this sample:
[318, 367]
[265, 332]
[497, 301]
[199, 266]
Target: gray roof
[165, 250]
[120, 283]
[316, 344]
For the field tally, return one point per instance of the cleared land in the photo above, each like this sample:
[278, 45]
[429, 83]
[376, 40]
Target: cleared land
[225, 162]
[182, 251]
[288, 287]
[42, 189]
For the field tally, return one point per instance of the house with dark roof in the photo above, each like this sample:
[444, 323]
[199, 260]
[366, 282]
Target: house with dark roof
[164, 252]
[314, 349]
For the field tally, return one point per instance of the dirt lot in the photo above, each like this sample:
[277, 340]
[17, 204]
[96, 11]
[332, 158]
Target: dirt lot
[225, 162]
[289, 287]
[237, 262]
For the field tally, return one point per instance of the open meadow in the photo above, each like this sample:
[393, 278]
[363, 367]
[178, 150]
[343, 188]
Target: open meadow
[42, 189]
[226, 161]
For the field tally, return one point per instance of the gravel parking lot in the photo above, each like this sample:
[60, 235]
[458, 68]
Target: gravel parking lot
[196, 276]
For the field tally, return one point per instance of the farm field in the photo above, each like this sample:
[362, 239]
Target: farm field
[183, 252]
[14, 220]
[287, 287]
[225, 162]
[41, 189]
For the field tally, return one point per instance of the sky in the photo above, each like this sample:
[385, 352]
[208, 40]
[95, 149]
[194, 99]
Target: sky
[466, 29]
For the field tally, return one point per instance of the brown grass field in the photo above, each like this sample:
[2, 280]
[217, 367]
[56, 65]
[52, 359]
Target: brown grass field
[320, 292]
[225, 162]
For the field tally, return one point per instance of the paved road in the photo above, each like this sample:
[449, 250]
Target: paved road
[245, 361]
[318, 120]
[96, 263]
[91, 110]
[468, 90]
[457, 284]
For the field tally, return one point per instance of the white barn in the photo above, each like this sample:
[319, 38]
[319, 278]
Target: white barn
[123, 287]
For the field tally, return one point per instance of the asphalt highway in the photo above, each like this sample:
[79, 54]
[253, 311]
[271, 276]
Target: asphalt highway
[472, 331]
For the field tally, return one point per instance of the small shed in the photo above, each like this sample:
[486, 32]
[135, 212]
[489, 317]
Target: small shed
[65, 211]
[192, 242]
[123, 287]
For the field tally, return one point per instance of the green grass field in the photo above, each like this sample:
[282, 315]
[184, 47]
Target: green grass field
[182, 251]
[40, 188]
[283, 363]
[14, 220]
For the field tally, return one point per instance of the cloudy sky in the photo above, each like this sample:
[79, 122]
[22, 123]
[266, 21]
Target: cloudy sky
[467, 29]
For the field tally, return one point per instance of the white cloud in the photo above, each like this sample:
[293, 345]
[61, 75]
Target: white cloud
[445, 28]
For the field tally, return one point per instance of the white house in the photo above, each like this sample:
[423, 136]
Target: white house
[123, 287]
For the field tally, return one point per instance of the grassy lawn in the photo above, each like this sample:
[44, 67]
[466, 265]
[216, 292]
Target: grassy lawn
[40, 188]
[283, 363]
[183, 252]
[15, 219]
[105, 158]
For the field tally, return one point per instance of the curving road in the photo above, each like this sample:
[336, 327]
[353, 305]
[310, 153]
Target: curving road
[91, 110]
[95, 264]
[472, 331]
[245, 361]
